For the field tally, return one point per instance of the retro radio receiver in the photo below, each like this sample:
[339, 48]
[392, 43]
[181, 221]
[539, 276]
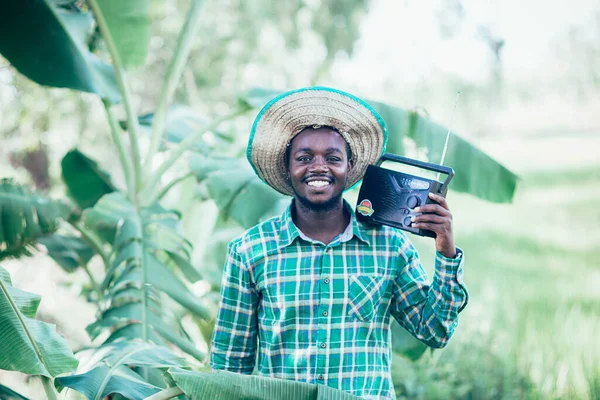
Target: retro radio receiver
[390, 197]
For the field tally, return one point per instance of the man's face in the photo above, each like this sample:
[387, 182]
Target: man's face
[318, 166]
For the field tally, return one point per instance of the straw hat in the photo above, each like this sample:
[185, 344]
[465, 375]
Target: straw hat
[289, 113]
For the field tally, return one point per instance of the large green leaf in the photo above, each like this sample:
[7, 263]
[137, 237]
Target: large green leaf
[70, 252]
[231, 386]
[112, 373]
[139, 276]
[48, 44]
[476, 172]
[24, 217]
[9, 394]
[129, 25]
[236, 189]
[26, 344]
[182, 121]
[85, 180]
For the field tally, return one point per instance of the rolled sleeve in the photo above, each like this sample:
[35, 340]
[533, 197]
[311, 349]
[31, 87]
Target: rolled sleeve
[234, 340]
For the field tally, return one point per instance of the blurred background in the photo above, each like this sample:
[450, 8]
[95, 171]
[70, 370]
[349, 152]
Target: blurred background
[528, 73]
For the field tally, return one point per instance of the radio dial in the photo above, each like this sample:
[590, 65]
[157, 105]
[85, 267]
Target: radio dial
[412, 202]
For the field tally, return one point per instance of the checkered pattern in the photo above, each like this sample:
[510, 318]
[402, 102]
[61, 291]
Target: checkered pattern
[321, 313]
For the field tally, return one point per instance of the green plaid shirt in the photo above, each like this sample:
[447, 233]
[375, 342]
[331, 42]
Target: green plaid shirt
[321, 313]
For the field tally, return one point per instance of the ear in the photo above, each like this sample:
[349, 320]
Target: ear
[350, 164]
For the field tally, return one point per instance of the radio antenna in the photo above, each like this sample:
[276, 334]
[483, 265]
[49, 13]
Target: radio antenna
[448, 133]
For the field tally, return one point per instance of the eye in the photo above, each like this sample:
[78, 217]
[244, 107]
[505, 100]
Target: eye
[303, 159]
[334, 159]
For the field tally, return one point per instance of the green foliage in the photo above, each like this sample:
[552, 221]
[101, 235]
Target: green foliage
[231, 386]
[138, 274]
[85, 180]
[24, 217]
[181, 122]
[70, 252]
[129, 24]
[29, 345]
[476, 172]
[8, 394]
[56, 39]
[236, 189]
[112, 373]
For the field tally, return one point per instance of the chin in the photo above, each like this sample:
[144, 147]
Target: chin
[319, 204]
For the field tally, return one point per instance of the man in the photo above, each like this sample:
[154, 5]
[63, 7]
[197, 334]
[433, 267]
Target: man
[308, 295]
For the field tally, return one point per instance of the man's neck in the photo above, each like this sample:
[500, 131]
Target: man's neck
[321, 225]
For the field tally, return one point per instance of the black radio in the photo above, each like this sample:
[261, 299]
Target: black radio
[389, 197]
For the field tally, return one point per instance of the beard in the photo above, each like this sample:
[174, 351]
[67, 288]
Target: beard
[328, 205]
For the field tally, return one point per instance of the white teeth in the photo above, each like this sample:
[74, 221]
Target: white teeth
[318, 183]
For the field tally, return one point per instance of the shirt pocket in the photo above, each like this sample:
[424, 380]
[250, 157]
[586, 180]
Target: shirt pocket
[364, 295]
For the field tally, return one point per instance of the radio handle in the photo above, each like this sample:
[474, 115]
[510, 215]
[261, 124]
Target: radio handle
[421, 164]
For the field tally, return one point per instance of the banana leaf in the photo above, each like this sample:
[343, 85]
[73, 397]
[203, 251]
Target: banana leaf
[113, 375]
[231, 386]
[138, 280]
[236, 189]
[26, 344]
[86, 181]
[24, 217]
[182, 121]
[70, 252]
[129, 25]
[48, 42]
[9, 394]
[476, 172]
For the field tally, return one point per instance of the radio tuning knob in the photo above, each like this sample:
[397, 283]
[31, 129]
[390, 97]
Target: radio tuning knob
[412, 202]
[407, 221]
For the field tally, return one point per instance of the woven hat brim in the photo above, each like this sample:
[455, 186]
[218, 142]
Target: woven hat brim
[288, 114]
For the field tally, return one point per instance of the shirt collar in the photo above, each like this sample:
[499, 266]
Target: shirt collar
[289, 232]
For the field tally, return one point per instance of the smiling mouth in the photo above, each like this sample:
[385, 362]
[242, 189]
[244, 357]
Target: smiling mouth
[318, 184]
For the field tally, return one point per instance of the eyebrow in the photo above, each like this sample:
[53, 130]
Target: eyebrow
[328, 150]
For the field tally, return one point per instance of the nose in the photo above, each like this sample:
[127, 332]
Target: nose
[319, 166]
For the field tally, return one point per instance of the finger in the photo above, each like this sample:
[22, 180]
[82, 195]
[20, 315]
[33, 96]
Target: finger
[430, 226]
[436, 219]
[441, 200]
[433, 209]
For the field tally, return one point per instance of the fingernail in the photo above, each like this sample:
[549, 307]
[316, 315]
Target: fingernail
[412, 218]
[417, 209]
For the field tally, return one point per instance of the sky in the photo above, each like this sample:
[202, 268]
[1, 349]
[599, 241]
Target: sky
[402, 38]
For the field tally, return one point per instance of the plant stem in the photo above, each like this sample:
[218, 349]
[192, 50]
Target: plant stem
[94, 241]
[169, 186]
[181, 148]
[120, 75]
[168, 393]
[95, 285]
[184, 45]
[48, 388]
[125, 162]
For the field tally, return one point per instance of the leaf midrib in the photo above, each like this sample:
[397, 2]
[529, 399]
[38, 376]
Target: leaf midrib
[22, 321]
[117, 364]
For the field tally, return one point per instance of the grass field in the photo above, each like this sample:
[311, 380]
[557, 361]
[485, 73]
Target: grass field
[532, 327]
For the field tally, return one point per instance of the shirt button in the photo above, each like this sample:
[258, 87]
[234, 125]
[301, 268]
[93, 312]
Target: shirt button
[326, 280]
[320, 377]
[325, 313]
[323, 345]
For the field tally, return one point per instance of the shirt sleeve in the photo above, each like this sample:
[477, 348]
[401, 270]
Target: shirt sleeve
[234, 339]
[429, 311]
